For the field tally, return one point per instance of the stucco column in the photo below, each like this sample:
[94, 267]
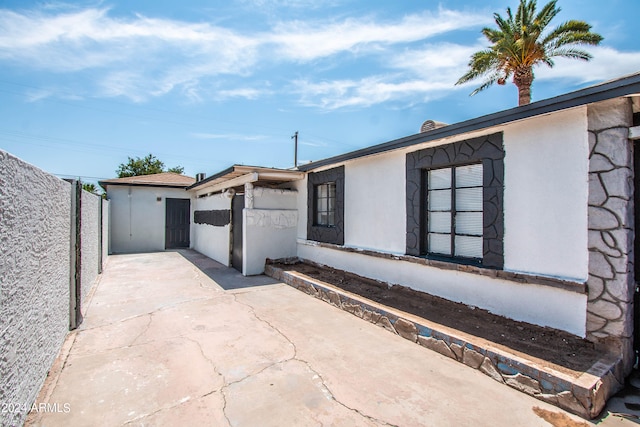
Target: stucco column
[611, 228]
[248, 195]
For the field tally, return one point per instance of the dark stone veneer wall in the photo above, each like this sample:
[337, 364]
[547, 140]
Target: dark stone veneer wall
[486, 149]
[611, 282]
[322, 233]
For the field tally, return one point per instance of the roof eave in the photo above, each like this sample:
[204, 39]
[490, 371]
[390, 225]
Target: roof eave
[142, 184]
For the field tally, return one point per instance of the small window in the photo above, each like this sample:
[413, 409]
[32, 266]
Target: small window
[325, 206]
[454, 212]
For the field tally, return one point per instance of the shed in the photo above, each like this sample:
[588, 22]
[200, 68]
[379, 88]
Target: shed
[149, 212]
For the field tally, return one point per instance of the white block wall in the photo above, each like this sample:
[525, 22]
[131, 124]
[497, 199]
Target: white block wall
[90, 242]
[106, 206]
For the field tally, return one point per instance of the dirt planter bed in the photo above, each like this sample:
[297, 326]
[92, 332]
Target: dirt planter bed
[551, 365]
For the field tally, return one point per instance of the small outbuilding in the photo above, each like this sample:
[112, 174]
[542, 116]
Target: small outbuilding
[149, 212]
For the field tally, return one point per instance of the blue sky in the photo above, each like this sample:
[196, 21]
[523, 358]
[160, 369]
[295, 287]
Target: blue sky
[206, 84]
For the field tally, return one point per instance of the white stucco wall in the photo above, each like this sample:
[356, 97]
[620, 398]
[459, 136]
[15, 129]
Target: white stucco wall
[34, 279]
[268, 233]
[539, 305]
[545, 214]
[90, 242]
[546, 194]
[273, 198]
[209, 240]
[375, 203]
[138, 219]
[269, 229]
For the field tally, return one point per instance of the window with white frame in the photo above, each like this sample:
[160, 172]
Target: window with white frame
[455, 211]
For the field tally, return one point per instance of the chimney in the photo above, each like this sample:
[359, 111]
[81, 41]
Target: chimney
[200, 176]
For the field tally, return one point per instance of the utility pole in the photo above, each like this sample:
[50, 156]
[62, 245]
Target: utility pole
[295, 150]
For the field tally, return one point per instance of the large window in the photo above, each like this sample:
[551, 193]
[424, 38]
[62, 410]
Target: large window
[454, 211]
[325, 206]
[455, 201]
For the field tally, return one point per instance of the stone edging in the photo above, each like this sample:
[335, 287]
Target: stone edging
[585, 395]
[567, 285]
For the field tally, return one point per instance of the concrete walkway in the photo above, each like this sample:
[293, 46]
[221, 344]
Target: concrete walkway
[174, 338]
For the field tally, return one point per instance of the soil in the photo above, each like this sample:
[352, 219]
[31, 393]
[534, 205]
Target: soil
[552, 345]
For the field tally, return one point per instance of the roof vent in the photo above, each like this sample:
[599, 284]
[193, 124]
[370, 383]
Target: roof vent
[200, 176]
[431, 125]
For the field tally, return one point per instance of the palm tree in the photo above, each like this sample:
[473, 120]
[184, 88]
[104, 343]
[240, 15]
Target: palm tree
[519, 44]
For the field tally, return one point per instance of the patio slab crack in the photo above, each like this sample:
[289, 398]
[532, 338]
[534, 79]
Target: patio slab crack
[295, 357]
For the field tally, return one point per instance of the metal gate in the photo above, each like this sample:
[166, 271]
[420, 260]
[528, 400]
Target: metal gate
[237, 233]
[177, 221]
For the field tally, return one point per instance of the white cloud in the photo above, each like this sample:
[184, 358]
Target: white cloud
[365, 92]
[247, 93]
[304, 41]
[607, 63]
[292, 4]
[419, 74]
[140, 57]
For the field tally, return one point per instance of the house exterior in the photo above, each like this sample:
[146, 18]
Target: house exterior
[527, 213]
[246, 214]
[149, 212]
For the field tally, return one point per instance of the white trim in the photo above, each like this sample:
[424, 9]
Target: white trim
[235, 182]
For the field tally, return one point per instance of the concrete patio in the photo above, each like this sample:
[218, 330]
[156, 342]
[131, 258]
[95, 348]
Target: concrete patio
[173, 338]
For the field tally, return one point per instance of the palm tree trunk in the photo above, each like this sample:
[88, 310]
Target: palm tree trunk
[523, 78]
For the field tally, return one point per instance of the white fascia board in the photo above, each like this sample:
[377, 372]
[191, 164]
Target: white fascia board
[235, 182]
[282, 176]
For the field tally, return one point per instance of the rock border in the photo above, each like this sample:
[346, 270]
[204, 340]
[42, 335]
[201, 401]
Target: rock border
[585, 394]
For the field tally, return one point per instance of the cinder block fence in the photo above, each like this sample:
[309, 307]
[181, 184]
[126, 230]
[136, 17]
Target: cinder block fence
[53, 243]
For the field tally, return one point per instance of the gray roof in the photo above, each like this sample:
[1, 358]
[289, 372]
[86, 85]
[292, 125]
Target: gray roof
[624, 86]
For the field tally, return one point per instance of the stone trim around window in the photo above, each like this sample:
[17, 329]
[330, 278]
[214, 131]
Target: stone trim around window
[334, 234]
[486, 149]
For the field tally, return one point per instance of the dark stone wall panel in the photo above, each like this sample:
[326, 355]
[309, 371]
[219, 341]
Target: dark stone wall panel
[324, 234]
[217, 218]
[487, 149]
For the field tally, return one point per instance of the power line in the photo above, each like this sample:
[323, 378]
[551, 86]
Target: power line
[69, 175]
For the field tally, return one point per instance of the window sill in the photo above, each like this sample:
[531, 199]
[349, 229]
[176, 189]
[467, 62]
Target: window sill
[529, 279]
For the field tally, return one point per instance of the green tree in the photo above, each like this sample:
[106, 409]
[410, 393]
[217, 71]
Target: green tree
[144, 166]
[520, 42]
[176, 169]
[90, 187]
